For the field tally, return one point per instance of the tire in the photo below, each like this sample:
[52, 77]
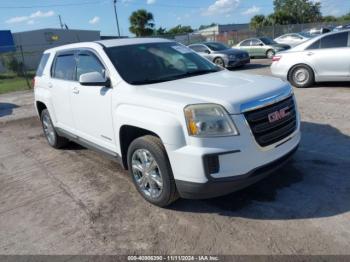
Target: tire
[50, 133]
[143, 151]
[270, 53]
[301, 76]
[219, 61]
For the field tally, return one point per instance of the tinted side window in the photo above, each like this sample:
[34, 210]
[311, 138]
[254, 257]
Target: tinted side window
[245, 43]
[255, 42]
[200, 48]
[88, 63]
[315, 45]
[65, 67]
[42, 64]
[334, 41]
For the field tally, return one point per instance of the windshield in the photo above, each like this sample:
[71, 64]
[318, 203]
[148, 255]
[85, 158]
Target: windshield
[305, 34]
[157, 62]
[267, 41]
[217, 46]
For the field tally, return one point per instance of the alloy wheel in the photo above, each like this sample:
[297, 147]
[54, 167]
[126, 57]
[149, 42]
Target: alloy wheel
[147, 173]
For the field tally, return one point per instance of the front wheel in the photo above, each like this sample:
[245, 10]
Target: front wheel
[150, 171]
[301, 76]
[219, 61]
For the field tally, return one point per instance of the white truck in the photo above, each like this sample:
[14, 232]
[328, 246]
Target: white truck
[181, 125]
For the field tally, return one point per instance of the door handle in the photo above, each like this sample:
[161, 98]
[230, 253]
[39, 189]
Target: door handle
[50, 85]
[310, 53]
[76, 90]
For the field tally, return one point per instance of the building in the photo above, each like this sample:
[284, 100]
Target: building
[212, 32]
[34, 43]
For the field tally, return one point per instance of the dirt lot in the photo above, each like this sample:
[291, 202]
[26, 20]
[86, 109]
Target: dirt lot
[75, 201]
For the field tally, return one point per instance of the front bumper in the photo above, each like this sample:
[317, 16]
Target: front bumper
[237, 63]
[223, 186]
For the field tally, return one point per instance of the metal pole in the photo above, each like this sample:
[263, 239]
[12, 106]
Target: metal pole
[116, 15]
[24, 71]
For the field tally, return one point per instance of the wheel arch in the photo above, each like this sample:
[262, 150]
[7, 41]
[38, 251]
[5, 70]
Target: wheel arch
[40, 106]
[127, 134]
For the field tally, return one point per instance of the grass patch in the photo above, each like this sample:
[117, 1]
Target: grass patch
[12, 83]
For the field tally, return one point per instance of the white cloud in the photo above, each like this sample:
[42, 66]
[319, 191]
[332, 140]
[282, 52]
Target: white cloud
[30, 19]
[221, 7]
[39, 14]
[95, 20]
[251, 11]
[151, 2]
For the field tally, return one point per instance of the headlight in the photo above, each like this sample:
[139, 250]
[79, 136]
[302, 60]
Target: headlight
[209, 120]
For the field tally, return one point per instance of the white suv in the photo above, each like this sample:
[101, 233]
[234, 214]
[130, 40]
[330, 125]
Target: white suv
[181, 125]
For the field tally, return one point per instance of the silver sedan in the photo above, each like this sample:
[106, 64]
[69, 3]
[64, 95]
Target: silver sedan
[323, 58]
[221, 54]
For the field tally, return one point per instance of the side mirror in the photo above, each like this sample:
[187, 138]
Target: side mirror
[207, 51]
[94, 79]
[261, 44]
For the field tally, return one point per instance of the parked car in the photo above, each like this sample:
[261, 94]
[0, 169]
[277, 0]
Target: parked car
[318, 31]
[341, 27]
[181, 125]
[292, 39]
[261, 47]
[221, 54]
[324, 58]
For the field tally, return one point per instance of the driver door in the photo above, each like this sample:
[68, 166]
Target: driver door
[91, 105]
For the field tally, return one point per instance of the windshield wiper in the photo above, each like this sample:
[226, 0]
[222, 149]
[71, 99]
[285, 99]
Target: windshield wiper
[174, 77]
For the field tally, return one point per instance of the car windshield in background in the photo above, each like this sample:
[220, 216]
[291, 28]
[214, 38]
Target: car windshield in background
[217, 46]
[267, 41]
[158, 62]
[305, 34]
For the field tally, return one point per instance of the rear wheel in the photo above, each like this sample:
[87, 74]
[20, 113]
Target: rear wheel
[150, 171]
[219, 61]
[301, 76]
[270, 53]
[50, 133]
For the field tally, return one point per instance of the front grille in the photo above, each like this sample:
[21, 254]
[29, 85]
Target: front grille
[266, 132]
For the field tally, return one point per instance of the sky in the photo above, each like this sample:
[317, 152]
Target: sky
[23, 15]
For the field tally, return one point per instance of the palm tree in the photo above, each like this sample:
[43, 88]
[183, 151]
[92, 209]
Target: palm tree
[141, 23]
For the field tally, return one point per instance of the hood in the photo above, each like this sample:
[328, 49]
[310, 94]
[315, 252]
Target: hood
[234, 91]
[230, 51]
[284, 46]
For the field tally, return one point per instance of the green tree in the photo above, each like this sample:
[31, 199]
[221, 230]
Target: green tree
[259, 21]
[296, 11]
[179, 29]
[141, 23]
[161, 31]
[207, 26]
[329, 18]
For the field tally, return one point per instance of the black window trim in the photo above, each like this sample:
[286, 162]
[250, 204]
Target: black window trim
[319, 40]
[75, 52]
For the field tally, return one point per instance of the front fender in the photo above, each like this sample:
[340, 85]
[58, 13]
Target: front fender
[164, 124]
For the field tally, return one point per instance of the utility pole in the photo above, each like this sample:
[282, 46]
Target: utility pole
[116, 15]
[61, 24]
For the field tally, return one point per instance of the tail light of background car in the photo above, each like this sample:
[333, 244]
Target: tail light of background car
[276, 58]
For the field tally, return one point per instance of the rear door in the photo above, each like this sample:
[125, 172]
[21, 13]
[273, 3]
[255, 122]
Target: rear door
[330, 57]
[258, 47]
[60, 85]
[91, 105]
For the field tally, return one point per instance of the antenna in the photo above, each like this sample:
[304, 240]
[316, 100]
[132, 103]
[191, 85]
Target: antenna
[116, 15]
[61, 24]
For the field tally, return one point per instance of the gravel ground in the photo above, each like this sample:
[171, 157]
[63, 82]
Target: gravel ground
[75, 201]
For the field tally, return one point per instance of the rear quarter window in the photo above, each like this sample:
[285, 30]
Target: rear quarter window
[42, 64]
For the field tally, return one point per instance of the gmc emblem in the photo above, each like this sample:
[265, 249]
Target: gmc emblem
[278, 115]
